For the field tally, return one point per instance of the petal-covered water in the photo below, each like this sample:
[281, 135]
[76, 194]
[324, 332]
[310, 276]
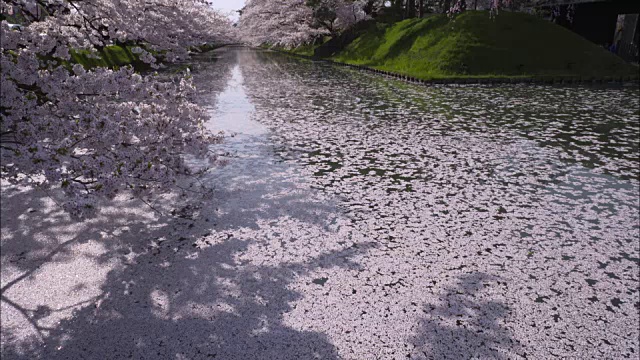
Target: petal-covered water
[358, 217]
[505, 218]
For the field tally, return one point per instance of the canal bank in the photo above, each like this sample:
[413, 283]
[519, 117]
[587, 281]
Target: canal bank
[474, 47]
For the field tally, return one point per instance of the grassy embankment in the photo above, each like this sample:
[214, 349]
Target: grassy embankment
[115, 56]
[112, 56]
[473, 45]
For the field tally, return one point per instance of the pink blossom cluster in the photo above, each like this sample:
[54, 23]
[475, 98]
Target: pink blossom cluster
[349, 13]
[96, 132]
[292, 23]
[283, 23]
[458, 7]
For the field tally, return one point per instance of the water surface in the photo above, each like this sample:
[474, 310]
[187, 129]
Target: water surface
[358, 217]
[503, 215]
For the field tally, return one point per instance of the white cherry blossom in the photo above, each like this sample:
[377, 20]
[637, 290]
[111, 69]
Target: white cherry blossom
[95, 132]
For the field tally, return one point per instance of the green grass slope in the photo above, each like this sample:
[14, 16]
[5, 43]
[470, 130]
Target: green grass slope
[306, 50]
[475, 45]
[112, 56]
[116, 56]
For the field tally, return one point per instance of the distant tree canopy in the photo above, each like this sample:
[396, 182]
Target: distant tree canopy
[295, 22]
[403, 9]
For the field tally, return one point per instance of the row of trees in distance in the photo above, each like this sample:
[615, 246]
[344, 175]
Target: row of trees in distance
[295, 22]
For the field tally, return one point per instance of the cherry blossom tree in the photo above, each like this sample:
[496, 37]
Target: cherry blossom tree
[96, 132]
[349, 13]
[337, 15]
[295, 22]
[282, 23]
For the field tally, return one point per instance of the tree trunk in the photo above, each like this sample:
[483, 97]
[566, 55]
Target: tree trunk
[446, 6]
[368, 8]
[397, 8]
[410, 10]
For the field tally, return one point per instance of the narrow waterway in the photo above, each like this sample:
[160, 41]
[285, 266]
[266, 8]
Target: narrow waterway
[503, 221]
[357, 217]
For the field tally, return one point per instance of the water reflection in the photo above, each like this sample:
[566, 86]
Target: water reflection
[232, 113]
[528, 182]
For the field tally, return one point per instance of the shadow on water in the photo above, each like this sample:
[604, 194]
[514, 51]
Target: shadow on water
[189, 296]
[203, 307]
[175, 286]
[167, 305]
[465, 326]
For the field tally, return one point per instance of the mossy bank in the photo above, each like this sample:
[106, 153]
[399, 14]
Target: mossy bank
[115, 56]
[112, 56]
[473, 45]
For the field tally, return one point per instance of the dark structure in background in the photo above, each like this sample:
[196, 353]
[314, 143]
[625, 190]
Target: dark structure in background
[614, 24]
[630, 40]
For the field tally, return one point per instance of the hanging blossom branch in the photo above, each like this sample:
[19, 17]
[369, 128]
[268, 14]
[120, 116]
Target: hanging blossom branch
[97, 132]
